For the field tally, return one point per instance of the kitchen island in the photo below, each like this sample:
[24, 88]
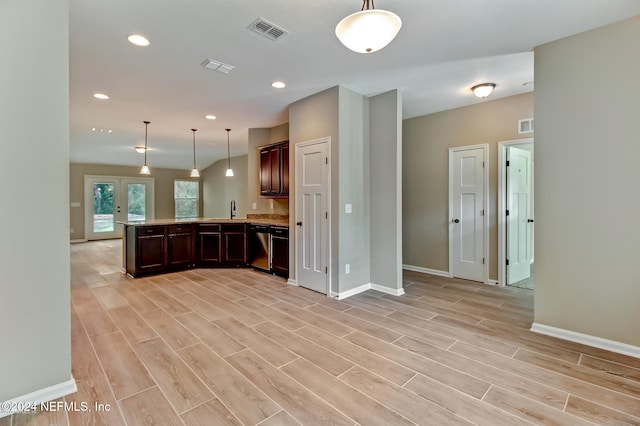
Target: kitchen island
[166, 245]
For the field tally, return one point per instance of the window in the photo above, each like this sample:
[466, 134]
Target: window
[185, 194]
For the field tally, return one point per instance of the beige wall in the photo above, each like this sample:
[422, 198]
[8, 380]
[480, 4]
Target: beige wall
[257, 138]
[587, 205]
[425, 174]
[218, 190]
[35, 352]
[163, 184]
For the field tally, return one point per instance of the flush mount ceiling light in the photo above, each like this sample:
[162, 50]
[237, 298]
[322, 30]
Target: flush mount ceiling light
[140, 149]
[100, 96]
[144, 170]
[95, 129]
[278, 84]
[369, 30]
[210, 117]
[229, 172]
[138, 40]
[483, 90]
[194, 172]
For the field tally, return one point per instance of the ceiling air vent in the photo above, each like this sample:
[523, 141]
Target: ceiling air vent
[267, 29]
[217, 66]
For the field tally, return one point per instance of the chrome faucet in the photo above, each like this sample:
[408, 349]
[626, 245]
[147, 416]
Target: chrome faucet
[233, 209]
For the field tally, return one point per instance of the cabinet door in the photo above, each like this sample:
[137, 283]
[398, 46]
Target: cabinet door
[235, 244]
[150, 251]
[280, 255]
[274, 166]
[284, 177]
[209, 248]
[180, 250]
[265, 171]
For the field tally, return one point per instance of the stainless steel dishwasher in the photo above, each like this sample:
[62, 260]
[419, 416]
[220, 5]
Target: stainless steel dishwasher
[260, 247]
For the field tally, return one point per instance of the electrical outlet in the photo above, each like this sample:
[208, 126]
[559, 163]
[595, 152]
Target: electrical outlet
[271, 204]
[254, 206]
[347, 269]
[71, 231]
[348, 208]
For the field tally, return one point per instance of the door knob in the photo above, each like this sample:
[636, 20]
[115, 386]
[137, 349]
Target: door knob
[530, 220]
[299, 223]
[456, 220]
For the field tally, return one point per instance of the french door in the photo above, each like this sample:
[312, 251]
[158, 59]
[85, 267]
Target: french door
[112, 199]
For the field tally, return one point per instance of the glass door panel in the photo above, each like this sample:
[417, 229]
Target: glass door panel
[104, 219]
[136, 201]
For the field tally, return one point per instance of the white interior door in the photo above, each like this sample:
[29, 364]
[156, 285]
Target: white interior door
[312, 233]
[110, 199]
[468, 226]
[519, 217]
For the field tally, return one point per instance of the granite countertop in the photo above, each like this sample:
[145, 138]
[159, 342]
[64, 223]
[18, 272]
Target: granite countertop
[276, 221]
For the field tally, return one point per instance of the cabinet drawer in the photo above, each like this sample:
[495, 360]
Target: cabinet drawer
[209, 227]
[280, 231]
[179, 229]
[234, 227]
[150, 230]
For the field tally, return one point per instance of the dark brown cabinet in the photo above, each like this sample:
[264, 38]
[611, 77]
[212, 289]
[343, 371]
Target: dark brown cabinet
[274, 170]
[180, 246]
[280, 250]
[222, 245]
[235, 244]
[145, 249]
[209, 245]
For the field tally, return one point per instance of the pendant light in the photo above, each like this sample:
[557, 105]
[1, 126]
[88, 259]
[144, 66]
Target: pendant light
[194, 172]
[145, 169]
[369, 30]
[229, 171]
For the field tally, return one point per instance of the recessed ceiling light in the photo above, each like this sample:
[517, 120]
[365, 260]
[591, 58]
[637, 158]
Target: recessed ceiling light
[278, 84]
[140, 149]
[100, 96]
[210, 117]
[138, 40]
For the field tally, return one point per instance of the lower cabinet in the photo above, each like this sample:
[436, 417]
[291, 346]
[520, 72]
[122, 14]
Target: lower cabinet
[162, 248]
[222, 245]
[180, 253]
[280, 251]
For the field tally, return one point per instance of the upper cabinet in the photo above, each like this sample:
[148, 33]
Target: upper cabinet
[274, 170]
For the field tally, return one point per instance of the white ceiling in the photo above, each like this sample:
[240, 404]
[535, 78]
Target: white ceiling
[443, 48]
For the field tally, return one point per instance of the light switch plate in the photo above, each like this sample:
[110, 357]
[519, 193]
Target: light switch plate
[348, 208]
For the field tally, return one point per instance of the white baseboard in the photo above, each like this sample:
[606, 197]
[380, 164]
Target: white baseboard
[426, 270]
[293, 282]
[387, 290]
[586, 339]
[369, 286]
[353, 291]
[81, 240]
[42, 395]
[492, 282]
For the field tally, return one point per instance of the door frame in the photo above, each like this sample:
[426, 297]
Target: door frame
[326, 140]
[502, 204]
[485, 222]
[88, 196]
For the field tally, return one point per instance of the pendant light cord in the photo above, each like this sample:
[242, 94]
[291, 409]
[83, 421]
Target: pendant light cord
[228, 150]
[194, 147]
[146, 125]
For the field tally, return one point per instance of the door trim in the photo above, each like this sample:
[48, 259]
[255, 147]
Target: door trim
[502, 205]
[327, 141]
[485, 222]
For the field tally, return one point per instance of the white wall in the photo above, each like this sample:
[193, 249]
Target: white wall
[34, 169]
[587, 109]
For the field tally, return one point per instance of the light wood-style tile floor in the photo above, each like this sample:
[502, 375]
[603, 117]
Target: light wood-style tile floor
[238, 347]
